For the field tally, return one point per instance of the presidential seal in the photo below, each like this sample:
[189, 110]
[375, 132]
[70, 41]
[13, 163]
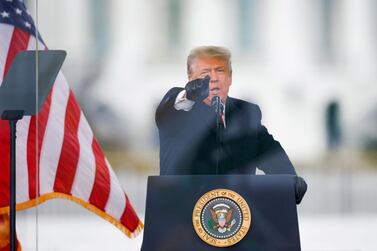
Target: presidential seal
[221, 218]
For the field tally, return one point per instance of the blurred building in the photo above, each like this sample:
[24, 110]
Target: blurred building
[292, 57]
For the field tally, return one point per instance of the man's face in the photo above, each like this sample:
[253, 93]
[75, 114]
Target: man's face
[219, 73]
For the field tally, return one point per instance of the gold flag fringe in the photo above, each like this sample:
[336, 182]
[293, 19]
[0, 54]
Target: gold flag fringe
[45, 197]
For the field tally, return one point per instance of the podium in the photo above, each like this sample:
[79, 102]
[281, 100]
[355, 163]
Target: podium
[172, 215]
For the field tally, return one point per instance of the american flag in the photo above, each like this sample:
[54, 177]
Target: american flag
[67, 162]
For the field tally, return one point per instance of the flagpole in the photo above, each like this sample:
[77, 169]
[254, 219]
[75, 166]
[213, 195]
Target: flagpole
[13, 117]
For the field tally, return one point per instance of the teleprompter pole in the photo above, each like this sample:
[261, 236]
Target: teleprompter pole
[12, 117]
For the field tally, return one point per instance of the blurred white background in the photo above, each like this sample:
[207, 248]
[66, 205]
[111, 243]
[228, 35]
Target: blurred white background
[310, 65]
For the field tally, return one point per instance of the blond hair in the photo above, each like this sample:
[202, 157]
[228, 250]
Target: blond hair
[209, 52]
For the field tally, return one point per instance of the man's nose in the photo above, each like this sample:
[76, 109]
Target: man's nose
[213, 76]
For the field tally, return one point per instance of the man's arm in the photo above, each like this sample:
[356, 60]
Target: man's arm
[178, 100]
[165, 112]
[272, 157]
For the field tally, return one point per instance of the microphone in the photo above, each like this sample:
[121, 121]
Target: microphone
[218, 106]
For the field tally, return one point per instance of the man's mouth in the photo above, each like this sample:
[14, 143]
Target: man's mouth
[215, 91]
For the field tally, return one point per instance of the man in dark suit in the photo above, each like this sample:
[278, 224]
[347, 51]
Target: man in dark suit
[194, 139]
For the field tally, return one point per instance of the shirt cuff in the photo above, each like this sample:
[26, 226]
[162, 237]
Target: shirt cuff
[182, 103]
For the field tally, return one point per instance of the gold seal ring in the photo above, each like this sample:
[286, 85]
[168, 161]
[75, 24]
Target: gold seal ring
[221, 218]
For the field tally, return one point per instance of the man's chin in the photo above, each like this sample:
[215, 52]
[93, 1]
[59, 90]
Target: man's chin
[214, 93]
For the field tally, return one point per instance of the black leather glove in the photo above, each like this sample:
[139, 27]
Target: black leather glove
[197, 89]
[301, 188]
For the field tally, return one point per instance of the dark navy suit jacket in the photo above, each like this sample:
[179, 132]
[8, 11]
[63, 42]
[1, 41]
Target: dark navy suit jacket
[188, 143]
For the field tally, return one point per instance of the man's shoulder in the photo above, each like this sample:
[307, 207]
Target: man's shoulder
[247, 110]
[243, 104]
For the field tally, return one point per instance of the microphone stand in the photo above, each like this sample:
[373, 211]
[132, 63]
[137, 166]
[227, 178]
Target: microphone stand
[217, 106]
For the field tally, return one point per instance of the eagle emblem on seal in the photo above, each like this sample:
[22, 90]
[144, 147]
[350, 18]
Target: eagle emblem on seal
[222, 217]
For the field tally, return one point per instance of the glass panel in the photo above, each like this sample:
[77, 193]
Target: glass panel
[18, 98]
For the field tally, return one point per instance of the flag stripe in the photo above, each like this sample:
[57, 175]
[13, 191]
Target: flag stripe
[19, 42]
[70, 151]
[32, 153]
[101, 188]
[84, 178]
[129, 217]
[53, 138]
[22, 187]
[6, 32]
[117, 203]
[31, 140]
